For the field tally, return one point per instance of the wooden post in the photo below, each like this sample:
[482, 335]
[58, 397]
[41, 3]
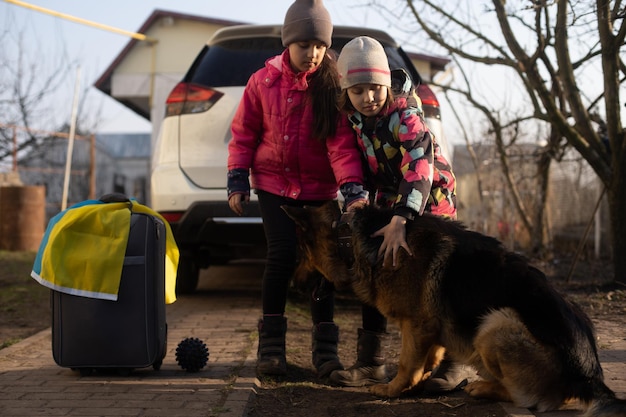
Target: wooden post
[92, 167]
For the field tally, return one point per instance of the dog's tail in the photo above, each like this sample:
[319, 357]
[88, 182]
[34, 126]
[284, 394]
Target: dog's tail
[605, 403]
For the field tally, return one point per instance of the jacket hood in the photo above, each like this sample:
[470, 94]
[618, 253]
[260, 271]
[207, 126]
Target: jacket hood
[281, 64]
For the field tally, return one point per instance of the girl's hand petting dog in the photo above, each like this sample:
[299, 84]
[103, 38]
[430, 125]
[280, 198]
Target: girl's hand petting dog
[394, 238]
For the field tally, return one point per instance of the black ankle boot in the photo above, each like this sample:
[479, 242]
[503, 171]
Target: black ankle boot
[325, 337]
[369, 368]
[271, 358]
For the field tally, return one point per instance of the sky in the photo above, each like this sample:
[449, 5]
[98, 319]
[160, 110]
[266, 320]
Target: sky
[94, 49]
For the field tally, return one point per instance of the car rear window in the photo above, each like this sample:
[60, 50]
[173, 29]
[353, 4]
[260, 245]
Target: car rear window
[230, 63]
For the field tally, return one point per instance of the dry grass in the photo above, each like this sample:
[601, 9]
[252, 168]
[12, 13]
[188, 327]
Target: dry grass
[24, 304]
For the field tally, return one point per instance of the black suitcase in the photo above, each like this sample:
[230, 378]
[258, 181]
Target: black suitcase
[92, 334]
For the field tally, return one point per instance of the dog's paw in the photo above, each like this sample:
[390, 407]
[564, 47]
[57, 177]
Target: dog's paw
[380, 390]
[492, 390]
[385, 390]
[476, 388]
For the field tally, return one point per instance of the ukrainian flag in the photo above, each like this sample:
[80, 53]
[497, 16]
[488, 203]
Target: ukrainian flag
[82, 250]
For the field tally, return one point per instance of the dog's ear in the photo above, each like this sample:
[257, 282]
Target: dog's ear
[300, 215]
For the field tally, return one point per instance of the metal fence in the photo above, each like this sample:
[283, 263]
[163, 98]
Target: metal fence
[39, 157]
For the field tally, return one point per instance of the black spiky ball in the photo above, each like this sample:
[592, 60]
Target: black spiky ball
[192, 354]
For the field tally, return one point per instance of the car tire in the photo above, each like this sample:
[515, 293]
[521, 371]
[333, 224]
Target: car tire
[187, 276]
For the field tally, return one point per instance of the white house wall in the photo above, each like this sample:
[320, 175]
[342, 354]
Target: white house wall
[423, 68]
[177, 45]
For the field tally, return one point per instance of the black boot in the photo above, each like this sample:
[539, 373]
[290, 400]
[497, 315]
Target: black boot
[369, 368]
[325, 337]
[271, 358]
[449, 376]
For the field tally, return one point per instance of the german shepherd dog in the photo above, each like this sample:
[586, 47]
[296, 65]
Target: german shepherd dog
[463, 293]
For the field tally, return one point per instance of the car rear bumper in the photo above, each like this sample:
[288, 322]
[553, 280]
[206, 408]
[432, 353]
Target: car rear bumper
[214, 222]
[209, 232]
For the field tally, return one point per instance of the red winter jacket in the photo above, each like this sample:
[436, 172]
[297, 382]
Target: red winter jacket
[272, 136]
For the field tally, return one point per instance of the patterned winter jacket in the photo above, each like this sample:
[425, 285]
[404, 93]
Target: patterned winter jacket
[272, 136]
[406, 168]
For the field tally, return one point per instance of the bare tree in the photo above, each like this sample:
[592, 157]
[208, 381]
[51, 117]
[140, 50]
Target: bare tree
[505, 138]
[28, 84]
[565, 56]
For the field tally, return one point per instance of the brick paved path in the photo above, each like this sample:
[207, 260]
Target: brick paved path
[31, 384]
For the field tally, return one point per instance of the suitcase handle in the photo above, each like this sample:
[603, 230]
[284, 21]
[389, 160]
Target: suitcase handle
[114, 198]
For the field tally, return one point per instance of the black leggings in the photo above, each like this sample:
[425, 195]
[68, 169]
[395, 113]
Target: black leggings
[282, 243]
[373, 320]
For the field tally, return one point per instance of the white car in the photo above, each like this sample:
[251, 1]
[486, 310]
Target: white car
[188, 184]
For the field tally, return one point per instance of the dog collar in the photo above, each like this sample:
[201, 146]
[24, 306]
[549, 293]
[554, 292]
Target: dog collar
[343, 235]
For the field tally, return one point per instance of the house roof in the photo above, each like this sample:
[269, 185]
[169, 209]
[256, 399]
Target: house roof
[104, 82]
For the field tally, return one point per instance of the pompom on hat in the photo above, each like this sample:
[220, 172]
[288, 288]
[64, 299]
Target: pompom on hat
[363, 61]
[307, 20]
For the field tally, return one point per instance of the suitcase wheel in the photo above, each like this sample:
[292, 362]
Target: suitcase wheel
[84, 371]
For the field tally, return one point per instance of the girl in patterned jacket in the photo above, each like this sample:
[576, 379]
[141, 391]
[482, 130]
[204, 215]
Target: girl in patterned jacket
[406, 171]
[287, 134]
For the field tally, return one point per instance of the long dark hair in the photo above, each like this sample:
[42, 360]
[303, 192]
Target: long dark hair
[323, 89]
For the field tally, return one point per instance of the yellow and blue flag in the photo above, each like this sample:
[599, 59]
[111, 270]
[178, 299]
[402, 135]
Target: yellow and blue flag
[82, 251]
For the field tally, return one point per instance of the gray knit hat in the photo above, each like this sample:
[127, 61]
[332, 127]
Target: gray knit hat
[363, 61]
[307, 20]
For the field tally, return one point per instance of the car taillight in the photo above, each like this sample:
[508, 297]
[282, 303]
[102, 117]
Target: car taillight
[430, 104]
[427, 95]
[172, 216]
[188, 98]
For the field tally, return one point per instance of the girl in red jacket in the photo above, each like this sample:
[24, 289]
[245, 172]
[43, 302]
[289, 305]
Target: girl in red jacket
[291, 146]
